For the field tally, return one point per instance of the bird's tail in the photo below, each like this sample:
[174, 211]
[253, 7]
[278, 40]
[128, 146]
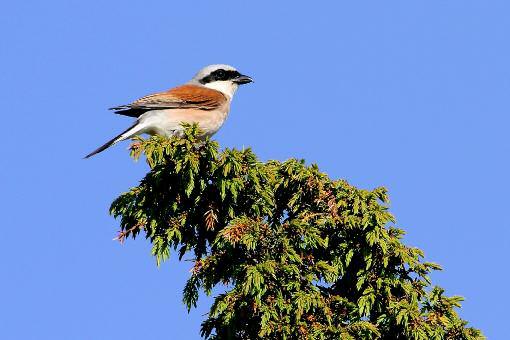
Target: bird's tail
[131, 131]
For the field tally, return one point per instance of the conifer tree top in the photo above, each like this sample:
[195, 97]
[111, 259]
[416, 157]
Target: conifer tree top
[300, 256]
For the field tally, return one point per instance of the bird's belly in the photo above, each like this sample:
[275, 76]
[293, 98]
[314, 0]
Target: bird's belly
[169, 122]
[158, 130]
[212, 125]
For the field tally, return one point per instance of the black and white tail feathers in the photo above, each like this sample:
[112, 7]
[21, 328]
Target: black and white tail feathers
[129, 132]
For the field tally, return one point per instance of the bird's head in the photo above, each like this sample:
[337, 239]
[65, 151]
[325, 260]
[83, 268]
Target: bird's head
[223, 78]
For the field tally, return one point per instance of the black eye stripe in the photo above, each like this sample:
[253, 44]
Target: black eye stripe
[219, 75]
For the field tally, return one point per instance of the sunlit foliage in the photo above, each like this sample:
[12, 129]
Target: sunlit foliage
[299, 255]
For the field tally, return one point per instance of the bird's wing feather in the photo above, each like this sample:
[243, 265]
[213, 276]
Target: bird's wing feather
[185, 96]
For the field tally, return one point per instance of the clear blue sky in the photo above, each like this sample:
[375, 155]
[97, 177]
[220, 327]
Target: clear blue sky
[411, 95]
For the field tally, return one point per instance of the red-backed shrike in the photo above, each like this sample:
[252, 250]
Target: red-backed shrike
[205, 100]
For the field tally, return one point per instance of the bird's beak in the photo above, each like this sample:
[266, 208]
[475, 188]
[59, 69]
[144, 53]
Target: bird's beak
[242, 79]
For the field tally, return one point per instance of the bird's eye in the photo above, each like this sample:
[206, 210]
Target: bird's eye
[220, 74]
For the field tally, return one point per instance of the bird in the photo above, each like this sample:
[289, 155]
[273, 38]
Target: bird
[204, 100]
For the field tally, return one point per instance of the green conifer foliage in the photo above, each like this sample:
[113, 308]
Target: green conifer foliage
[299, 255]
